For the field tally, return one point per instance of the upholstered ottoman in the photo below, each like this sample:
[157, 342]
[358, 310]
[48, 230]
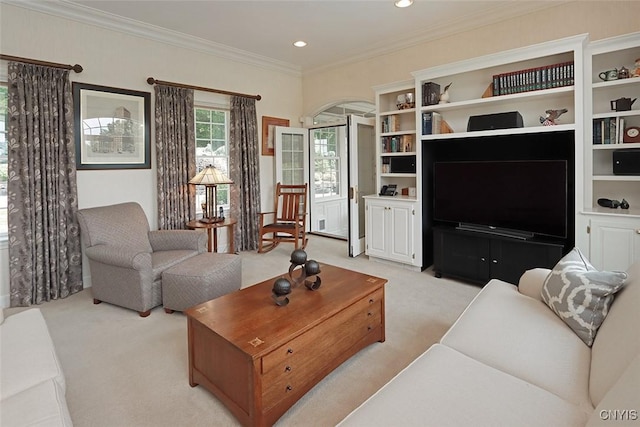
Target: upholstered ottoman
[200, 278]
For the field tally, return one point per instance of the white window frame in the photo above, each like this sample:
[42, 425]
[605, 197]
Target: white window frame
[204, 160]
[337, 170]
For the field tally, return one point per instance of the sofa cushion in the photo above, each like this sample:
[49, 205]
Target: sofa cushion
[27, 355]
[520, 335]
[581, 295]
[443, 387]
[43, 404]
[618, 339]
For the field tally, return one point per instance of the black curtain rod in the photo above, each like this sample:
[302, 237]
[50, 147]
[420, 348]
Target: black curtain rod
[77, 68]
[153, 81]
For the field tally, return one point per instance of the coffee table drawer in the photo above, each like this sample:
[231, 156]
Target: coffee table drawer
[284, 353]
[317, 348]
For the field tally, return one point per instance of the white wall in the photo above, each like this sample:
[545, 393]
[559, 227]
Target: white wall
[116, 59]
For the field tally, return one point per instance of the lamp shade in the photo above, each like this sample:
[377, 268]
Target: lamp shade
[210, 176]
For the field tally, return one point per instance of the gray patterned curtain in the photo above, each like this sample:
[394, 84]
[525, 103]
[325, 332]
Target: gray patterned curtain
[45, 259]
[244, 165]
[175, 155]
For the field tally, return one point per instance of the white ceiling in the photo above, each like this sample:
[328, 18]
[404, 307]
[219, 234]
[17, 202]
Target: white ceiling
[337, 31]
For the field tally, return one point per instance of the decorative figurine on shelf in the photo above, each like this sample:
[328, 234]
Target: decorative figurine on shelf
[551, 116]
[281, 288]
[444, 96]
[623, 73]
[636, 71]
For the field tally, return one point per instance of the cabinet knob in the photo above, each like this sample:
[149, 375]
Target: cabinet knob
[495, 261]
[371, 300]
[287, 368]
[289, 388]
[483, 259]
[289, 351]
[369, 328]
[369, 314]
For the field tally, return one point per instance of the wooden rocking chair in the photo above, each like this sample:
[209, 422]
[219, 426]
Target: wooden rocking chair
[289, 222]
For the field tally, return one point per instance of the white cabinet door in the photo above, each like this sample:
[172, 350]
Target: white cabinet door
[615, 243]
[390, 227]
[400, 217]
[376, 229]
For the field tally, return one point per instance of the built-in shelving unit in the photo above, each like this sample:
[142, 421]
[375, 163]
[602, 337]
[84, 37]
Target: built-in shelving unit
[471, 93]
[392, 221]
[613, 234]
[601, 182]
[586, 98]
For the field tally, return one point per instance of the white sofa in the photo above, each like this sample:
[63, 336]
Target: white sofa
[509, 360]
[32, 384]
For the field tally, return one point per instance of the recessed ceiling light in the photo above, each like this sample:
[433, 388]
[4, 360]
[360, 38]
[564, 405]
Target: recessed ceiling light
[403, 3]
[300, 43]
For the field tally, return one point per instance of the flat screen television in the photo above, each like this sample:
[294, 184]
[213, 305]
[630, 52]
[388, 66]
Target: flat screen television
[525, 197]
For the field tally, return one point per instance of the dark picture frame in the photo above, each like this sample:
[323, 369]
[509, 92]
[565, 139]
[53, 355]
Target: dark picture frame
[112, 127]
[268, 133]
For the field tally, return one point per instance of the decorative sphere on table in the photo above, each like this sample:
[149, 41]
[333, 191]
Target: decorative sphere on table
[281, 288]
[312, 267]
[298, 257]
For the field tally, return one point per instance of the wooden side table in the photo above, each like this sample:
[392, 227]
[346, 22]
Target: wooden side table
[212, 231]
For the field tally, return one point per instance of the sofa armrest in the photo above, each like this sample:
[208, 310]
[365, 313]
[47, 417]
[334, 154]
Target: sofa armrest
[119, 257]
[169, 240]
[531, 282]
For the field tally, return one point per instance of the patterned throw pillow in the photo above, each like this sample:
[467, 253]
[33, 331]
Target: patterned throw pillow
[581, 295]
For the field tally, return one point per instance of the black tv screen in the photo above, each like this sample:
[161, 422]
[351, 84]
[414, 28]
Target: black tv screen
[525, 196]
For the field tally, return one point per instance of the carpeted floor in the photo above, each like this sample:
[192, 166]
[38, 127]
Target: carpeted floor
[123, 370]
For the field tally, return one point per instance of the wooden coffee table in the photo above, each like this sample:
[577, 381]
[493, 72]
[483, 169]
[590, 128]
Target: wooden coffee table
[259, 359]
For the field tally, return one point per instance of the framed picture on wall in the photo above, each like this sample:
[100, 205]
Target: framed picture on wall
[111, 127]
[268, 133]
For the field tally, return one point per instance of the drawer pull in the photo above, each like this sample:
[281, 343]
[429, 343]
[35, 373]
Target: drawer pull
[369, 314]
[287, 368]
[369, 328]
[371, 301]
[289, 351]
[289, 388]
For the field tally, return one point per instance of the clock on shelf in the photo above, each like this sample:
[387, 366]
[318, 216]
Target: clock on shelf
[631, 134]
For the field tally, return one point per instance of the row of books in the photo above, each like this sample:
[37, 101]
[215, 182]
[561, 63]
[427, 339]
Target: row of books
[431, 123]
[547, 77]
[398, 144]
[391, 123]
[609, 130]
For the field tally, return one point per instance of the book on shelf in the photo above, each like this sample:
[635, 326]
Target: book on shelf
[539, 78]
[398, 144]
[608, 130]
[430, 93]
[390, 123]
[431, 123]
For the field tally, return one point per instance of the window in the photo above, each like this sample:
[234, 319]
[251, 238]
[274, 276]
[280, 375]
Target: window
[4, 120]
[327, 162]
[212, 148]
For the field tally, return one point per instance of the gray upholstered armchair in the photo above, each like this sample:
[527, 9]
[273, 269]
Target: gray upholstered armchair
[126, 259]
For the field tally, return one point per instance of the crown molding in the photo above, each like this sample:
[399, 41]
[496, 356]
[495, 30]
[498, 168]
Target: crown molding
[87, 15]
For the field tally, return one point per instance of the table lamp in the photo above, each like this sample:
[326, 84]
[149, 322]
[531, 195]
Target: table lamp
[210, 177]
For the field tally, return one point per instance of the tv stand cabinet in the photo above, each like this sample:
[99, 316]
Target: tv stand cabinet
[479, 257]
